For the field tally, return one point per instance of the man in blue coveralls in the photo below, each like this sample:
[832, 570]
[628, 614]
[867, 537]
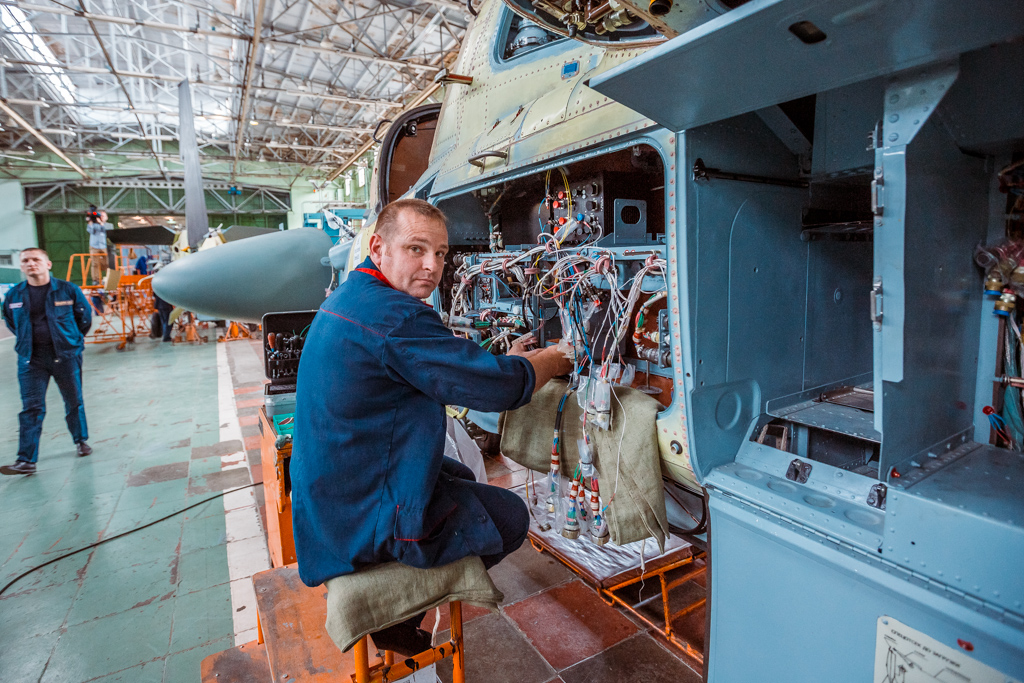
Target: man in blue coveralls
[370, 483]
[49, 319]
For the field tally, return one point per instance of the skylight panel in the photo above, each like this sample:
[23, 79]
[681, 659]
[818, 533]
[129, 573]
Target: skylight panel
[27, 41]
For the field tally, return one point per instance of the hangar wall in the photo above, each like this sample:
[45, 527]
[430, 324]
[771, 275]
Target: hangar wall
[17, 229]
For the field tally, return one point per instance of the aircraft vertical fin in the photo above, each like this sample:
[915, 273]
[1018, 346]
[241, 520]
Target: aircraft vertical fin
[196, 221]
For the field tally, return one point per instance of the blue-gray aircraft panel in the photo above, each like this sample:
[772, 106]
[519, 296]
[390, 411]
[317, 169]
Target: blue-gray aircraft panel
[773, 51]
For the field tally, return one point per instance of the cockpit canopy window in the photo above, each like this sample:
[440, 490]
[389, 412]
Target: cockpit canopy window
[521, 37]
[592, 21]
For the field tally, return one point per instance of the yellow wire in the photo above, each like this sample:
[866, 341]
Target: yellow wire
[568, 192]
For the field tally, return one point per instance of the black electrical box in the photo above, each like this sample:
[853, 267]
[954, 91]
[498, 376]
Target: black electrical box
[284, 335]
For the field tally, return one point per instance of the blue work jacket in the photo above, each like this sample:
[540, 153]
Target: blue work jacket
[67, 313]
[377, 368]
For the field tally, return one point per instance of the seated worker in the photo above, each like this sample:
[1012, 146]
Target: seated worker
[370, 483]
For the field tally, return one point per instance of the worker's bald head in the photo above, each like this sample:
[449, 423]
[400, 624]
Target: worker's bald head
[389, 218]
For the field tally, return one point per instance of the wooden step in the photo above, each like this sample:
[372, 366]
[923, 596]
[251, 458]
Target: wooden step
[292, 617]
[246, 663]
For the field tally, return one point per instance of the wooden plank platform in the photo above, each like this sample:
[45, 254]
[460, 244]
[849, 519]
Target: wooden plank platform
[246, 663]
[291, 617]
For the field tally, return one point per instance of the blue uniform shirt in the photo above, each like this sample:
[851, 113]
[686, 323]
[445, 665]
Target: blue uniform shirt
[377, 368]
[67, 313]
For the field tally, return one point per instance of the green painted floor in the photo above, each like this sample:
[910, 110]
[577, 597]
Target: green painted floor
[152, 605]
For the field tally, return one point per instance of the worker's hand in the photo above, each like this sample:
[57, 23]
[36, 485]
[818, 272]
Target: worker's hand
[561, 363]
[547, 363]
[521, 346]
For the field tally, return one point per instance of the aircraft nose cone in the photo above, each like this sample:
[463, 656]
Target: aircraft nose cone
[243, 280]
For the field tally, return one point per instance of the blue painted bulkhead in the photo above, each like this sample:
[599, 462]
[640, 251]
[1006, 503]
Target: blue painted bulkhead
[779, 303]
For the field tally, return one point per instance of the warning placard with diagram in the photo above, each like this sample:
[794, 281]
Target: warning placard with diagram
[905, 655]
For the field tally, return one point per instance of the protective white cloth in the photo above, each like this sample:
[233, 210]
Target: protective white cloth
[459, 445]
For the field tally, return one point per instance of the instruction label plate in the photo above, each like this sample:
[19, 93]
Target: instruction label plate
[905, 655]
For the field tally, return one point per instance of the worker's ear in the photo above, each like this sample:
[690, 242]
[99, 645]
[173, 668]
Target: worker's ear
[376, 247]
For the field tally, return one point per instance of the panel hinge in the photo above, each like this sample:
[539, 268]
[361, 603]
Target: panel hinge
[878, 193]
[876, 303]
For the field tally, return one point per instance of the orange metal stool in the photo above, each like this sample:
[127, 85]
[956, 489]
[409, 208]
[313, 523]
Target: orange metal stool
[391, 671]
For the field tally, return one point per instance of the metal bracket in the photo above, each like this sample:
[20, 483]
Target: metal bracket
[444, 77]
[785, 130]
[877, 306]
[910, 100]
[875, 138]
[876, 496]
[798, 471]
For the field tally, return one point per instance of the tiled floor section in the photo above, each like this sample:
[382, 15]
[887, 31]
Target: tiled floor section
[151, 605]
[555, 628]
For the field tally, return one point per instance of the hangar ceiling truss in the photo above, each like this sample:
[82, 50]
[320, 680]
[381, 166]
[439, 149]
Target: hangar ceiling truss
[296, 83]
[150, 197]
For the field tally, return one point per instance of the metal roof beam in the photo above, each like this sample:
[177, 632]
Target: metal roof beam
[42, 138]
[319, 126]
[358, 56]
[306, 148]
[124, 87]
[124, 21]
[250, 68]
[420, 99]
[205, 84]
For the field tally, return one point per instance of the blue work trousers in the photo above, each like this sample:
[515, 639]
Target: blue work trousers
[506, 509]
[34, 378]
[165, 322]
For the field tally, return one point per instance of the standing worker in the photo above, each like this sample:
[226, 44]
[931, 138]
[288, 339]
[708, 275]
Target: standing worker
[370, 482]
[49, 318]
[163, 312]
[97, 226]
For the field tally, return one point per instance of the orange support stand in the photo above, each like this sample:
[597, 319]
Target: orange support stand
[389, 671]
[362, 655]
[458, 653]
[235, 332]
[694, 571]
[188, 329]
[682, 563]
[117, 321]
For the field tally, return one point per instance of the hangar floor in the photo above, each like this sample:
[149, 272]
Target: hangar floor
[172, 426]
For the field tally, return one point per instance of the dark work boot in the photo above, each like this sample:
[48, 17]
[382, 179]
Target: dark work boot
[404, 638]
[83, 449]
[20, 467]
